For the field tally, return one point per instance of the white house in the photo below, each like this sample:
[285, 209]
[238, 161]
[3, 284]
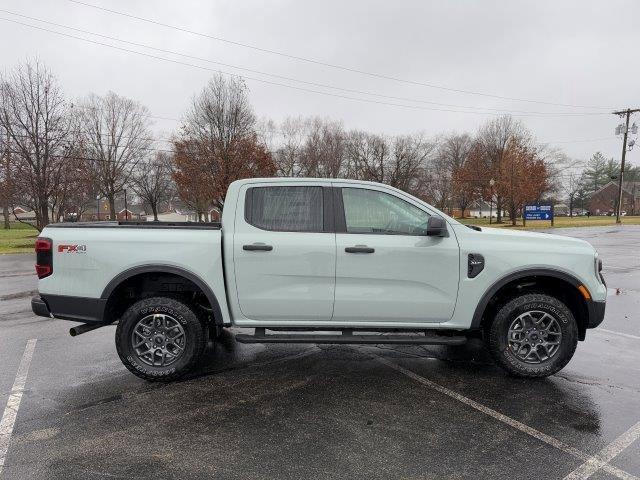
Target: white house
[171, 217]
[481, 209]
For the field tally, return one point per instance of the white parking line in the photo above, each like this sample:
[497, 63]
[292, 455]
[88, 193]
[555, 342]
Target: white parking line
[554, 442]
[626, 335]
[13, 403]
[607, 454]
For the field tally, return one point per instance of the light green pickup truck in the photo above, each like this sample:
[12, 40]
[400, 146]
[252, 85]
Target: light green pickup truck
[321, 261]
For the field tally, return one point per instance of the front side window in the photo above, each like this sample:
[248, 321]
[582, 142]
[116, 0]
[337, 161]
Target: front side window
[286, 209]
[372, 211]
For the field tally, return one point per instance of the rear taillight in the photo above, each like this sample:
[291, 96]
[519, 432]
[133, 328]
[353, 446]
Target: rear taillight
[44, 257]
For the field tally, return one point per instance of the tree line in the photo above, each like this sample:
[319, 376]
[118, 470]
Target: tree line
[59, 155]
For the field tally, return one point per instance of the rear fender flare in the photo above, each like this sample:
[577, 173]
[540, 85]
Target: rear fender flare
[158, 268]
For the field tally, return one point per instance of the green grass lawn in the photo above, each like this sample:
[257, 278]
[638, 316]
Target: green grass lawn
[560, 222]
[20, 238]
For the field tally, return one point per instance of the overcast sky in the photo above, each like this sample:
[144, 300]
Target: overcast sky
[562, 52]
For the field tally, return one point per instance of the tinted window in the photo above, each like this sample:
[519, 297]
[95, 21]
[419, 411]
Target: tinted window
[371, 211]
[287, 209]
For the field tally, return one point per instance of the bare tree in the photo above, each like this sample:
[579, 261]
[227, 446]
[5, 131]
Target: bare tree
[116, 136]
[441, 183]
[220, 141]
[574, 187]
[402, 162]
[153, 182]
[221, 113]
[36, 121]
[77, 185]
[6, 177]
[494, 138]
[288, 155]
[409, 161]
[323, 153]
[368, 156]
[453, 151]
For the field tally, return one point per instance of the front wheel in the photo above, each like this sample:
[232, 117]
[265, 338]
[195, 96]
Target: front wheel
[160, 339]
[533, 335]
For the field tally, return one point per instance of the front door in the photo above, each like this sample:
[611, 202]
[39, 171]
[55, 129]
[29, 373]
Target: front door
[284, 252]
[387, 269]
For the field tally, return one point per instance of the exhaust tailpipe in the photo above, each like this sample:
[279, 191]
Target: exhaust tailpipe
[84, 328]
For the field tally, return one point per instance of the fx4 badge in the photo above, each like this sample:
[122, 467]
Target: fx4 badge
[72, 249]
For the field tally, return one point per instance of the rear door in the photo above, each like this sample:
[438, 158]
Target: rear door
[387, 269]
[285, 252]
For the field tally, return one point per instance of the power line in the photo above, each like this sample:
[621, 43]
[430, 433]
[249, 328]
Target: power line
[326, 64]
[282, 77]
[586, 140]
[171, 141]
[269, 82]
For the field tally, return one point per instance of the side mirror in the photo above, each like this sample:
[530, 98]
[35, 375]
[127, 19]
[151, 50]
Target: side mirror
[436, 227]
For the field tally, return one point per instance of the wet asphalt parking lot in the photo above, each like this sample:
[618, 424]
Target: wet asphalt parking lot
[287, 411]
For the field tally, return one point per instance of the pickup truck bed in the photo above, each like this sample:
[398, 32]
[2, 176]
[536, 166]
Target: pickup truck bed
[139, 224]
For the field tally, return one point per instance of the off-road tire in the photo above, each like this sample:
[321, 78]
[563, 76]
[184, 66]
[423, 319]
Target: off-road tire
[496, 335]
[194, 332]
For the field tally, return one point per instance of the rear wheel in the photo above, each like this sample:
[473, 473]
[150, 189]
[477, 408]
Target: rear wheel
[160, 339]
[533, 335]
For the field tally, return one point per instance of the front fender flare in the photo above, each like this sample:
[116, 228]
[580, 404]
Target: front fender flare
[532, 272]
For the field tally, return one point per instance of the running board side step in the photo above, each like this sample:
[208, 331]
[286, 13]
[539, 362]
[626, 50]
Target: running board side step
[348, 337]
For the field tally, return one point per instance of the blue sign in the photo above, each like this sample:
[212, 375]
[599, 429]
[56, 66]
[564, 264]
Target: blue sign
[538, 212]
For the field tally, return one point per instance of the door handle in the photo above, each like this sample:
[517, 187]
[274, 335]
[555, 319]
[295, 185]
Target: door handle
[359, 249]
[257, 247]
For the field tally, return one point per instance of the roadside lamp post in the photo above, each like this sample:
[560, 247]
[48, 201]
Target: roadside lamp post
[492, 182]
[98, 208]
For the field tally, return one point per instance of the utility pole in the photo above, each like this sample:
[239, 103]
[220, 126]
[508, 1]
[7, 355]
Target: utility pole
[621, 113]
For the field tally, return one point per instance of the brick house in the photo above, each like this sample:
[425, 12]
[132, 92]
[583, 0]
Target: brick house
[91, 213]
[603, 201]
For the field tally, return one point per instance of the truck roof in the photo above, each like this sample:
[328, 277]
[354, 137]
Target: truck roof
[306, 179]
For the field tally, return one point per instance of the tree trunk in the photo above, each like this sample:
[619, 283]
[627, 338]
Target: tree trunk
[498, 209]
[512, 212]
[112, 207]
[5, 214]
[571, 207]
[463, 206]
[154, 209]
[42, 217]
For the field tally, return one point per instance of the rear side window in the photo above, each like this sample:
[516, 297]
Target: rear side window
[285, 209]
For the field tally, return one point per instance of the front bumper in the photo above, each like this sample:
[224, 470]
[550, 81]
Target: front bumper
[596, 313]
